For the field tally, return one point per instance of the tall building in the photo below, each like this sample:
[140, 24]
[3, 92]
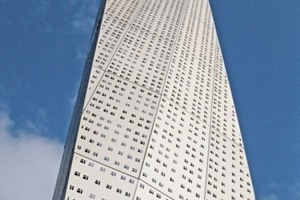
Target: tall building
[155, 117]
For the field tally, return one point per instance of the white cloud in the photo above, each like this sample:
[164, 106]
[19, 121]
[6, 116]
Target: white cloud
[43, 6]
[270, 197]
[83, 21]
[275, 185]
[295, 189]
[84, 16]
[291, 191]
[81, 55]
[29, 162]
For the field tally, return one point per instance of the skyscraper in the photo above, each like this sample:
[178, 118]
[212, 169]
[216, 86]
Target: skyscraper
[155, 117]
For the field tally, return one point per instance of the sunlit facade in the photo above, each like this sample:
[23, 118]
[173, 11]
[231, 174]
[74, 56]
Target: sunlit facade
[155, 117]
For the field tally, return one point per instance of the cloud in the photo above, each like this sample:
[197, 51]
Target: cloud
[84, 16]
[291, 191]
[81, 55]
[295, 189]
[29, 161]
[275, 185]
[43, 6]
[270, 197]
[83, 21]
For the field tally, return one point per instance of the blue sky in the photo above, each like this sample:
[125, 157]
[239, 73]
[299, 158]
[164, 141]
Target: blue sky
[261, 45]
[42, 49]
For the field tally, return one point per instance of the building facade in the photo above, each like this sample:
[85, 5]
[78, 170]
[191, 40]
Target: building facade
[155, 117]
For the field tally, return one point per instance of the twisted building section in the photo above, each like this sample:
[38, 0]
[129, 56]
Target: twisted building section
[155, 117]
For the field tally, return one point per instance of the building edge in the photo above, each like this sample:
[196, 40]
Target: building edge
[66, 161]
[233, 99]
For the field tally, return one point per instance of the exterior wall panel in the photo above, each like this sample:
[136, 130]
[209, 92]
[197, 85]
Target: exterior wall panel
[158, 120]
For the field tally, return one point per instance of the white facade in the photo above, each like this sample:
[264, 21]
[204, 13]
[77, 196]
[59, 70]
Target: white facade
[158, 120]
